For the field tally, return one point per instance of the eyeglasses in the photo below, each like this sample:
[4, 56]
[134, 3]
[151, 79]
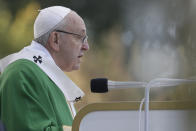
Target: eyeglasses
[84, 39]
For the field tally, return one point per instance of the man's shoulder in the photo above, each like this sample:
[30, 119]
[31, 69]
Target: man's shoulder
[24, 67]
[24, 72]
[21, 65]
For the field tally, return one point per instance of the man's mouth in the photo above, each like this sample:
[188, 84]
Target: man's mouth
[80, 56]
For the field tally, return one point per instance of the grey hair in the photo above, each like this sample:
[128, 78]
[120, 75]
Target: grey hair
[44, 38]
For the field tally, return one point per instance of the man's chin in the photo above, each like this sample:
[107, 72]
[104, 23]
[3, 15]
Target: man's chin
[76, 67]
[71, 68]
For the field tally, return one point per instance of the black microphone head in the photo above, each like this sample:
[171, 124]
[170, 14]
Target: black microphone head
[99, 85]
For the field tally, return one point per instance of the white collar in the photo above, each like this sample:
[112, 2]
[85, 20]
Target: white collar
[42, 58]
[39, 47]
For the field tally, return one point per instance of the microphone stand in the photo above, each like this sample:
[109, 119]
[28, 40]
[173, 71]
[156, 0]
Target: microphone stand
[114, 84]
[159, 82]
[146, 116]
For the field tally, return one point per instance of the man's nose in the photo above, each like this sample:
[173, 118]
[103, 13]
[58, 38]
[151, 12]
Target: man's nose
[85, 46]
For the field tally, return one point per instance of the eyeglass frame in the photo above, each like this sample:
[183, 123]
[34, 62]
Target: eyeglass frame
[84, 39]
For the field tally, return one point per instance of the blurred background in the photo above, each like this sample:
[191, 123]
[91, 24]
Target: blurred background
[130, 40]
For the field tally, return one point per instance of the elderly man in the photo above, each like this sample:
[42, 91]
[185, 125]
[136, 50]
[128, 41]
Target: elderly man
[35, 94]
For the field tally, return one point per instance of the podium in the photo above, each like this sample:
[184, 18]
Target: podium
[124, 116]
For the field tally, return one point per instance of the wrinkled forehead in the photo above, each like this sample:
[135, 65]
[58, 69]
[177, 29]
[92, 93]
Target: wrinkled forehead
[75, 23]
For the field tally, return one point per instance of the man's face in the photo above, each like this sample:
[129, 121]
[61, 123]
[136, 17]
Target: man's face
[72, 47]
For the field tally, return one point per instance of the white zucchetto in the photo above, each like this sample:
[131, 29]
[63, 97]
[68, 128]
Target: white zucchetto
[48, 18]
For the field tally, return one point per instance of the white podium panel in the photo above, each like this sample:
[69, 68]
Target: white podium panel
[160, 120]
[124, 116]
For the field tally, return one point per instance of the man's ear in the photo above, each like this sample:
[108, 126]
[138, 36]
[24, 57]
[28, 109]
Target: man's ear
[54, 41]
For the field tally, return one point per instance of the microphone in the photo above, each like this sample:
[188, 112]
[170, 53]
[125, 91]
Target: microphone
[102, 85]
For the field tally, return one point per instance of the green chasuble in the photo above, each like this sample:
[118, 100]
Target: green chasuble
[30, 100]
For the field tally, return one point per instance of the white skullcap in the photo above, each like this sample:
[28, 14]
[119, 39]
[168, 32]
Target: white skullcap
[49, 18]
